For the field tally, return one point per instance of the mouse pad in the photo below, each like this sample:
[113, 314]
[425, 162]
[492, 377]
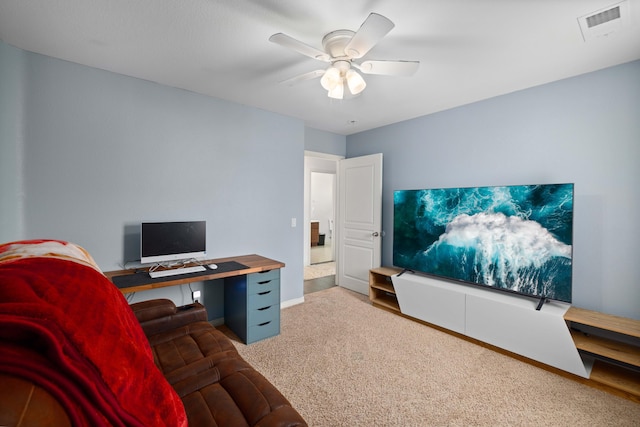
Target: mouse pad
[142, 278]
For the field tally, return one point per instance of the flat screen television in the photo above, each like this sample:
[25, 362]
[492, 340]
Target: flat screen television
[512, 238]
[172, 241]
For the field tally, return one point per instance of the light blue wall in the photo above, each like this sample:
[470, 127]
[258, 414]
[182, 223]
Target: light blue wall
[325, 142]
[85, 155]
[584, 130]
[103, 152]
[11, 142]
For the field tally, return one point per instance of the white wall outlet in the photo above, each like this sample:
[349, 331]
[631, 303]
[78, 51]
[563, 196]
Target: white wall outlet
[195, 296]
[293, 222]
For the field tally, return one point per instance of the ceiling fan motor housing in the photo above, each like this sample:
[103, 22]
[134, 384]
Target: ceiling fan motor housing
[334, 43]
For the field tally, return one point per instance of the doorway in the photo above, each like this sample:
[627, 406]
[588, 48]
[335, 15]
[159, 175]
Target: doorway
[322, 214]
[319, 221]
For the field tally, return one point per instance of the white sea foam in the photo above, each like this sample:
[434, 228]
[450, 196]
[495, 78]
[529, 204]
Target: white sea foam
[521, 243]
[506, 249]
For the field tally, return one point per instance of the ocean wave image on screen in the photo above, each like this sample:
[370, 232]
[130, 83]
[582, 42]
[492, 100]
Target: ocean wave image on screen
[516, 238]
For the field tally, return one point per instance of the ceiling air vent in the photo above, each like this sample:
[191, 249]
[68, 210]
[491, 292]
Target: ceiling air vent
[602, 17]
[605, 21]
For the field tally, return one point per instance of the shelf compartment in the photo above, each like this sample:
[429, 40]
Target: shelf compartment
[618, 378]
[385, 287]
[385, 272]
[387, 302]
[603, 321]
[610, 349]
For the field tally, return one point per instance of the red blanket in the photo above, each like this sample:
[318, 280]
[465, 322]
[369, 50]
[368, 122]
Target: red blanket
[67, 328]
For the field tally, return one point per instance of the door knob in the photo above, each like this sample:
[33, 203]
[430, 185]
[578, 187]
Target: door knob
[375, 234]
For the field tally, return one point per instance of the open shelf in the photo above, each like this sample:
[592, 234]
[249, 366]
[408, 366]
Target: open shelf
[381, 291]
[607, 348]
[614, 343]
[617, 378]
[621, 325]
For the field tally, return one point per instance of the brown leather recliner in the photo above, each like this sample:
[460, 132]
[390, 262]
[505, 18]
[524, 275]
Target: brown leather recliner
[216, 385]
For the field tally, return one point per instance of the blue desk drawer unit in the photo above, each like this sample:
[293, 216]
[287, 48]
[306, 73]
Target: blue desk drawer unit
[252, 305]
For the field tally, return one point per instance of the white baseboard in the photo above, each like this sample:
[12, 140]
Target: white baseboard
[291, 302]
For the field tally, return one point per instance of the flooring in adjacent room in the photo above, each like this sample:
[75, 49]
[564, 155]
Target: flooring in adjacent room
[321, 274]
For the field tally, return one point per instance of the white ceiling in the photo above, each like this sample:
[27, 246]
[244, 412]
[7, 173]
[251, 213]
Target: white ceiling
[469, 50]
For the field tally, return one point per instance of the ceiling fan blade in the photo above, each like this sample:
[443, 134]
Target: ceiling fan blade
[293, 44]
[389, 68]
[372, 30]
[302, 77]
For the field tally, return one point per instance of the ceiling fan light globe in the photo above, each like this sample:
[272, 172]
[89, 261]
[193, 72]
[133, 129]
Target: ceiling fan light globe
[330, 78]
[337, 92]
[355, 82]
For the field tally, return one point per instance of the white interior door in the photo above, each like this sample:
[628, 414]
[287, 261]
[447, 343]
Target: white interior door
[360, 220]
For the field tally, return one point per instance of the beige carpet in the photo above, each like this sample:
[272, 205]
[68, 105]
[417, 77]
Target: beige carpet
[342, 362]
[315, 271]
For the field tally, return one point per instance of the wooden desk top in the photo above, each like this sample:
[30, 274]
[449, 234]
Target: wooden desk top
[254, 263]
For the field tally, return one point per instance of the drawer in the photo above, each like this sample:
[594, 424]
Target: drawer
[263, 330]
[264, 299]
[260, 278]
[263, 314]
[264, 286]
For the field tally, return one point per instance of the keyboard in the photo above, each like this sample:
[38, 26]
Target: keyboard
[176, 271]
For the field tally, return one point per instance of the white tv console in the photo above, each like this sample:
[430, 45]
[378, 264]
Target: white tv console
[597, 349]
[508, 321]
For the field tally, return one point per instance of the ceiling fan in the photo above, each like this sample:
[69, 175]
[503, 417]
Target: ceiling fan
[343, 49]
